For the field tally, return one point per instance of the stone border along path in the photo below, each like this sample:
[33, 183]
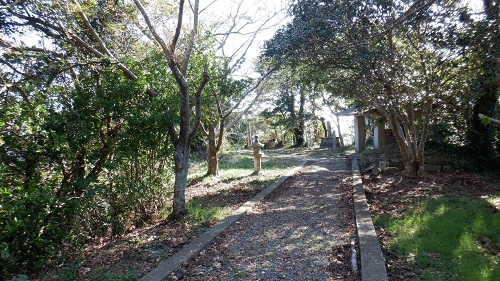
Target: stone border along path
[372, 259]
[169, 265]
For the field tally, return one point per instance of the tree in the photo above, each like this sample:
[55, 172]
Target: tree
[223, 90]
[375, 60]
[71, 117]
[228, 94]
[486, 101]
[178, 63]
[85, 149]
[289, 111]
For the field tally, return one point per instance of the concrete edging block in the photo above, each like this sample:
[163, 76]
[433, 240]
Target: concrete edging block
[199, 243]
[372, 260]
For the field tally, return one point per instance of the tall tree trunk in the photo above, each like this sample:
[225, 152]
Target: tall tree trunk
[299, 129]
[249, 137]
[299, 137]
[325, 130]
[181, 164]
[410, 155]
[302, 121]
[212, 153]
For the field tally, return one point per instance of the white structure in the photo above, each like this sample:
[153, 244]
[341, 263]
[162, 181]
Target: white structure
[379, 134]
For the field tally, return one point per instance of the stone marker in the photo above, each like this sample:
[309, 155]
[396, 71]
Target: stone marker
[391, 170]
[257, 146]
[383, 164]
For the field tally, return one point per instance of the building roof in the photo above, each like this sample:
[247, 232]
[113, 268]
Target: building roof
[352, 111]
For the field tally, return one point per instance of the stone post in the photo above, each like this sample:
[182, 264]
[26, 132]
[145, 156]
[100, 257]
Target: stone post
[329, 129]
[379, 136]
[359, 133]
[257, 146]
[334, 137]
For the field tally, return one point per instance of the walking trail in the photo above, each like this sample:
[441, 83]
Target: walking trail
[301, 231]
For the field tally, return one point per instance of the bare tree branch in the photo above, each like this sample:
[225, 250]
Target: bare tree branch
[178, 75]
[194, 33]
[255, 86]
[156, 36]
[127, 72]
[178, 27]
[208, 5]
[201, 86]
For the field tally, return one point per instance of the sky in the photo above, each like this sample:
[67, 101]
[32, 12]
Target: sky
[261, 16]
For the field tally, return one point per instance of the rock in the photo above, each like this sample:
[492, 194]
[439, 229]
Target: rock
[391, 170]
[376, 171]
[447, 168]
[432, 168]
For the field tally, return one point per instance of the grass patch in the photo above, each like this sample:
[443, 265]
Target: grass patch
[203, 215]
[238, 165]
[447, 238]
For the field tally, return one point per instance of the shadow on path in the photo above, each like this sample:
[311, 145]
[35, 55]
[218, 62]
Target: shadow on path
[301, 231]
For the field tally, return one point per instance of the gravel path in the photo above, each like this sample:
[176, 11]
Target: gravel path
[302, 231]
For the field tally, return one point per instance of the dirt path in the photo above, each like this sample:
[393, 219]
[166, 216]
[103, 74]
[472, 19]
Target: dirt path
[302, 231]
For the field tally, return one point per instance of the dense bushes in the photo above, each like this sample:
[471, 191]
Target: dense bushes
[86, 159]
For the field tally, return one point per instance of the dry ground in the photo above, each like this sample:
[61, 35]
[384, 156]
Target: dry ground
[133, 255]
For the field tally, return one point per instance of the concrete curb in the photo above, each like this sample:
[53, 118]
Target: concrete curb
[372, 259]
[169, 265]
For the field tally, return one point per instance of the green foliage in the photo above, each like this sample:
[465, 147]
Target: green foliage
[79, 161]
[84, 149]
[422, 73]
[32, 224]
[448, 238]
[293, 106]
